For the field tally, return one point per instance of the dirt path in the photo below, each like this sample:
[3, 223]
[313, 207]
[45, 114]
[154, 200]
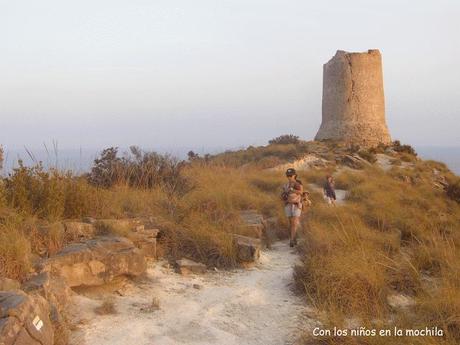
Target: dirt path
[340, 194]
[253, 306]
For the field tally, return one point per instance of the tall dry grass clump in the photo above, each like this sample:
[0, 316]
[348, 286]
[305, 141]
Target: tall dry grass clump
[397, 234]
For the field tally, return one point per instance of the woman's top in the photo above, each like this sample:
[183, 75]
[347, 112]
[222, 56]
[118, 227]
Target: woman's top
[289, 196]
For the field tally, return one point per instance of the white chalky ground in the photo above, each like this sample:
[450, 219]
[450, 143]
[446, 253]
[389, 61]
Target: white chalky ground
[253, 306]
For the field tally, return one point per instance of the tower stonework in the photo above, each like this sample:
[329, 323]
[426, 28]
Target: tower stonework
[353, 100]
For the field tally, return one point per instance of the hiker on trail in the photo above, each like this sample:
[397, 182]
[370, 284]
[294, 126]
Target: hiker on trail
[292, 197]
[329, 190]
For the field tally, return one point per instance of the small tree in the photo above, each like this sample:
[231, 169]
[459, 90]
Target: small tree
[284, 139]
[192, 155]
[105, 168]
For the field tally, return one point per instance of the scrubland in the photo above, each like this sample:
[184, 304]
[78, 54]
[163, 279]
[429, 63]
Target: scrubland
[396, 235]
[196, 206]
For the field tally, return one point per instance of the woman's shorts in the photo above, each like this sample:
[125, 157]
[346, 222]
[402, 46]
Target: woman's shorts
[292, 210]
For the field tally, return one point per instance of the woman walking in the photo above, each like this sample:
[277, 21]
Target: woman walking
[329, 190]
[292, 197]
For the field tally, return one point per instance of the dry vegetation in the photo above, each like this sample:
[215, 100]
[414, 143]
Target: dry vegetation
[195, 204]
[397, 233]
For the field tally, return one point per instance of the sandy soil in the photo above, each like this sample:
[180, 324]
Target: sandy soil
[252, 306]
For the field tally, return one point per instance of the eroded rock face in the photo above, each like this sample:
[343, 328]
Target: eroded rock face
[248, 248]
[353, 100]
[96, 261]
[56, 292]
[24, 319]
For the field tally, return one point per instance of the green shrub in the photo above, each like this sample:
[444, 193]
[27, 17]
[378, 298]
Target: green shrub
[139, 169]
[284, 140]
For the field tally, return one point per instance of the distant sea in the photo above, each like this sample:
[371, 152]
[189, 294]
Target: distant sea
[448, 155]
[80, 160]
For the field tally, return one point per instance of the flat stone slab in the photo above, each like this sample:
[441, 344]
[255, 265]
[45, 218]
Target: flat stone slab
[96, 261]
[187, 266]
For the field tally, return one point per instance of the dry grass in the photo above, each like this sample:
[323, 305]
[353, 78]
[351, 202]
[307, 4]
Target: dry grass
[396, 234]
[196, 224]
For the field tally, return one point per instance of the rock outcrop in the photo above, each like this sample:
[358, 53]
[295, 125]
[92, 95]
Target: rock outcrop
[24, 319]
[353, 100]
[96, 261]
[145, 240]
[248, 248]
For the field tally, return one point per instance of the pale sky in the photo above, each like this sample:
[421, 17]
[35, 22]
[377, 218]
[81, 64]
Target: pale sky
[216, 73]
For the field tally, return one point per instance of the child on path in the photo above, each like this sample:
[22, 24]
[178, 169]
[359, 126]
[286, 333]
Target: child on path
[329, 190]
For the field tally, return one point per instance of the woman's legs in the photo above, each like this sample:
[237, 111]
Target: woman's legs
[293, 225]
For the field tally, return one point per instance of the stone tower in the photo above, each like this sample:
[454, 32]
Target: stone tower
[353, 99]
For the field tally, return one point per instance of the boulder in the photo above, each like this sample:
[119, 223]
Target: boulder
[57, 293]
[8, 284]
[53, 289]
[24, 319]
[96, 261]
[186, 266]
[248, 248]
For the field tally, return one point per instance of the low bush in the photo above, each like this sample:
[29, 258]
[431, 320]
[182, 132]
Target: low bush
[139, 169]
[284, 140]
[398, 147]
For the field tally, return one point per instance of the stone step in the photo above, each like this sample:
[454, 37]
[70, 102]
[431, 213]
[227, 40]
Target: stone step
[248, 248]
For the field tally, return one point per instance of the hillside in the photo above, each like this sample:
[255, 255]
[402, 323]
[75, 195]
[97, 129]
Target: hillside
[386, 256]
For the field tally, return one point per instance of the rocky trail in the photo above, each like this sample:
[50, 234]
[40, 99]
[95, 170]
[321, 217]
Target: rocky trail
[245, 306]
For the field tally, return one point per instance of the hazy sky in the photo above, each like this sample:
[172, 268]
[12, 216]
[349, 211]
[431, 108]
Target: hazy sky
[216, 73]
